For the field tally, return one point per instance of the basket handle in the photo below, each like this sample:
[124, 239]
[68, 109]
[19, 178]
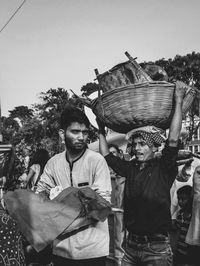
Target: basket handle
[137, 66]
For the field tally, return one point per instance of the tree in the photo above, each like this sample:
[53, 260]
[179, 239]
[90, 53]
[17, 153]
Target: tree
[53, 103]
[89, 88]
[32, 132]
[10, 127]
[23, 113]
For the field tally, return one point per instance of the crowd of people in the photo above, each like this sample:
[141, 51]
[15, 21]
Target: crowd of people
[138, 191]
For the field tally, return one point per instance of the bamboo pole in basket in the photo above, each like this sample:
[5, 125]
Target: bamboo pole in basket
[99, 92]
[97, 75]
[137, 66]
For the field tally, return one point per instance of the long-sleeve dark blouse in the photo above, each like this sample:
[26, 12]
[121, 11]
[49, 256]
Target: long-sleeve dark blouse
[147, 191]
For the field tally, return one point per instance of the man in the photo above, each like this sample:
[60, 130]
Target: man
[147, 190]
[79, 167]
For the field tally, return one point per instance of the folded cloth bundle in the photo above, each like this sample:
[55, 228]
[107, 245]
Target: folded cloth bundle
[41, 220]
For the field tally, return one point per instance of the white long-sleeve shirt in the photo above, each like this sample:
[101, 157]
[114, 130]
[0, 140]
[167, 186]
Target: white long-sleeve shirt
[88, 170]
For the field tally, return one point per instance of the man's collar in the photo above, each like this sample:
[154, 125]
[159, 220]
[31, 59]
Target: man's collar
[77, 158]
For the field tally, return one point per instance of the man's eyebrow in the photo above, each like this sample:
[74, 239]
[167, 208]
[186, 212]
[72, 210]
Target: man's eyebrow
[85, 130]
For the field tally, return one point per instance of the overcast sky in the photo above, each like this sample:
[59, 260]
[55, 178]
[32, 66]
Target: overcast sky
[59, 43]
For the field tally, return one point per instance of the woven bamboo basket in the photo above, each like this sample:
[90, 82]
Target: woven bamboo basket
[136, 105]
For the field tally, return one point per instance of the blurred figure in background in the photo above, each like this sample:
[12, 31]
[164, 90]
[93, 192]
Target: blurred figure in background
[117, 194]
[181, 224]
[11, 240]
[36, 167]
[193, 234]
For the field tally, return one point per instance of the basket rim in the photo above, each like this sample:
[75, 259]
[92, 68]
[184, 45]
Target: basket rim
[114, 68]
[132, 86]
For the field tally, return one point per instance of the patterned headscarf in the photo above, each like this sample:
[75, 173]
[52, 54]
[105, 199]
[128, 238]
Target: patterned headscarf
[151, 135]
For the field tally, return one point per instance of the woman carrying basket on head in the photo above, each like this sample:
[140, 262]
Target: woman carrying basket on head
[147, 189]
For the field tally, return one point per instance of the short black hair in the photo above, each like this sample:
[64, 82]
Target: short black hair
[187, 190]
[73, 114]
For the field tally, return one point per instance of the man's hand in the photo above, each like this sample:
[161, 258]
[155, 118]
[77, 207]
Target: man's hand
[180, 90]
[101, 126]
[103, 145]
[176, 122]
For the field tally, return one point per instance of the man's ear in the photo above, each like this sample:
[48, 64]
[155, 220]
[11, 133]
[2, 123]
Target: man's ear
[154, 148]
[62, 135]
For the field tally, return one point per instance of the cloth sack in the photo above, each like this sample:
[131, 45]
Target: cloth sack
[42, 220]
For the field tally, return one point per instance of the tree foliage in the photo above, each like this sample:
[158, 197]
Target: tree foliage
[53, 102]
[10, 128]
[89, 88]
[23, 113]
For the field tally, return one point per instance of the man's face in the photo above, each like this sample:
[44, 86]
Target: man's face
[114, 151]
[183, 200]
[75, 136]
[141, 150]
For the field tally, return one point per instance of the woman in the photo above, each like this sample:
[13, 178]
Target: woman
[36, 167]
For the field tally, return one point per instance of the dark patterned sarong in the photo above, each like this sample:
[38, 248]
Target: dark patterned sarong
[11, 247]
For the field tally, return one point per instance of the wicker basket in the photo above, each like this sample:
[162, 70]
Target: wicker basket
[137, 105]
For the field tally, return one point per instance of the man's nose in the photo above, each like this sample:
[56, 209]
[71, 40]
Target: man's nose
[137, 146]
[80, 135]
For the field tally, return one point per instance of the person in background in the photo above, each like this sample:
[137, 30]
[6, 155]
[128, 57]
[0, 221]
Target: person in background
[22, 165]
[183, 178]
[34, 171]
[117, 182]
[193, 234]
[147, 214]
[78, 167]
[36, 167]
[181, 223]
[11, 239]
